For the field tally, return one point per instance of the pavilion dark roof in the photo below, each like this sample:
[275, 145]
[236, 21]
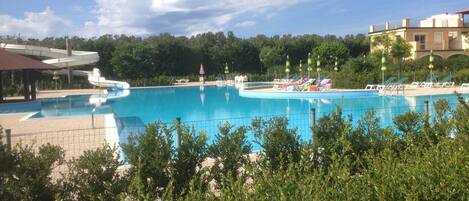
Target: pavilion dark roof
[465, 11]
[12, 61]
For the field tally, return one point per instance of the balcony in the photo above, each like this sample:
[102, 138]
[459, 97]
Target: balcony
[396, 24]
[415, 23]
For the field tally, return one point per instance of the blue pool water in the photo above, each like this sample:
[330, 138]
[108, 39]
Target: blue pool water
[206, 108]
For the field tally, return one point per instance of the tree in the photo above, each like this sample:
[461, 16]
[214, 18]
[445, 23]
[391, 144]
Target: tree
[400, 50]
[357, 44]
[328, 51]
[135, 61]
[104, 45]
[271, 56]
[382, 42]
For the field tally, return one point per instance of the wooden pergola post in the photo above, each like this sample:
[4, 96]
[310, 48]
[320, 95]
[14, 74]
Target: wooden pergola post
[1, 87]
[32, 81]
[26, 85]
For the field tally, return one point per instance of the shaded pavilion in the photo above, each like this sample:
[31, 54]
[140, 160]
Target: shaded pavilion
[29, 67]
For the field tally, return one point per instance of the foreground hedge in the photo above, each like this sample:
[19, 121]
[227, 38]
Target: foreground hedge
[421, 158]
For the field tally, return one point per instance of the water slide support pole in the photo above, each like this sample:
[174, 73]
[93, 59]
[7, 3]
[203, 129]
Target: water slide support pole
[69, 53]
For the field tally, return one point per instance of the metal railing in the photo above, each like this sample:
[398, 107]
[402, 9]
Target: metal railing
[396, 24]
[76, 141]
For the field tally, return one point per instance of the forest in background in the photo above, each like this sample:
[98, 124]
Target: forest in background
[161, 59]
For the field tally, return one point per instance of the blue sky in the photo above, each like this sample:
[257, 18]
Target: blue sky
[42, 18]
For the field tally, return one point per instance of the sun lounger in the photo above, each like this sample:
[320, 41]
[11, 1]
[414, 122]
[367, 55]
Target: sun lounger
[371, 87]
[415, 84]
[464, 86]
[383, 85]
[445, 82]
[399, 84]
[182, 81]
[306, 86]
[428, 84]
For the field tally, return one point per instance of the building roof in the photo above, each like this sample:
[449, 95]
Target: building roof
[465, 11]
[11, 61]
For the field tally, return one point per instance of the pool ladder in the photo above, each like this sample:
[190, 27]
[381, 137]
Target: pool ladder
[105, 107]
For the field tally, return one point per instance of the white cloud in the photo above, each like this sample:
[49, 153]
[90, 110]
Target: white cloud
[246, 24]
[142, 17]
[180, 17]
[35, 24]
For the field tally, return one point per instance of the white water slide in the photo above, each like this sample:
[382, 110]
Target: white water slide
[61, 59]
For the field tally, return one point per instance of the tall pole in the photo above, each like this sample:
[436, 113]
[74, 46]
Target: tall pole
[226, 70]
[69, 53]
[383, 67]
[1, 87]
[430, 66]
[318, 67]
[310, 62]
[300, 69]
[287, 67]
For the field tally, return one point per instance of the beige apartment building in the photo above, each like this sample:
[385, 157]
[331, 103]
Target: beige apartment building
[444, 34]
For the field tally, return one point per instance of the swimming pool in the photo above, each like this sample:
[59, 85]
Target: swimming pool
[207, 107]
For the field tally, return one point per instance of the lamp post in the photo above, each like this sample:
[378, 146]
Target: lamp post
[430, 66]
[226, 70]
[336, 64]
[310, 62]
[300, 69]
[287, 67]
[56, 78]
[318, 67]
[383, 67]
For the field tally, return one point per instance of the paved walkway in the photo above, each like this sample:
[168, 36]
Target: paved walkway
[73, 134]
[59, 93]
[410, 91]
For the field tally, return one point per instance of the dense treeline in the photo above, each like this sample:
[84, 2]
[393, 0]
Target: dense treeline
[132, 57]
[420, 158]
[161, 59]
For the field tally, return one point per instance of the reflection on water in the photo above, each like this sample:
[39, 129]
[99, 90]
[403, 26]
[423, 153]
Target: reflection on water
[206, 108]
[76, 105]
[209, 103]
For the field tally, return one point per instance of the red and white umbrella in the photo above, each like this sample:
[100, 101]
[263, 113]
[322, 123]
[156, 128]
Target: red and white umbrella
[202, 71]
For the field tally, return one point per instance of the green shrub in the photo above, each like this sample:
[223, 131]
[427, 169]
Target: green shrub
[230, 150]
[149, 155]
[26, 172]
[460, 117]
[94, 176]
[280, 145]
[417, 160]
[188, 158]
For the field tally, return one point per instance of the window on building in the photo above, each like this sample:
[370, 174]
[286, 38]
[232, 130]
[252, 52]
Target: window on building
[420, 39]
[438, 37]
[453, 34]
